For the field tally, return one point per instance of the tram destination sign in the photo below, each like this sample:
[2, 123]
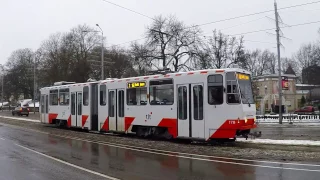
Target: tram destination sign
[241, 76]
[136, 84]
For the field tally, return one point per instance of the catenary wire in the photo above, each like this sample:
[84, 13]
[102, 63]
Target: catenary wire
[228, 19]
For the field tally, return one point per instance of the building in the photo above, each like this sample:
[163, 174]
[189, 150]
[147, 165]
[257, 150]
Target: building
[310, 92]
[266, 92]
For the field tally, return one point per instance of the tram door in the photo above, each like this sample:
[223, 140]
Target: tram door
[190, 110]
[44, 108]
[116, 109]
[120, 110]
[112, 109]
[76, 109]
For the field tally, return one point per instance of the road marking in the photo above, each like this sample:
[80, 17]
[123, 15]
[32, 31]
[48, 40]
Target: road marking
[200, 159]
[185, 157]
[163, 152]
[2, 138]
[72, 165]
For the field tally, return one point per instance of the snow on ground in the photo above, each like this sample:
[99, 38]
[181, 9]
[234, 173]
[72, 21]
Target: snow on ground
[20, 119]
[282, 142]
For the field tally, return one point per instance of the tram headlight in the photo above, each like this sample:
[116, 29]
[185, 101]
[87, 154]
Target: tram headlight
[245, 119]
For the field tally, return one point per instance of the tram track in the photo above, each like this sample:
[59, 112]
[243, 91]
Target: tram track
[233, 150]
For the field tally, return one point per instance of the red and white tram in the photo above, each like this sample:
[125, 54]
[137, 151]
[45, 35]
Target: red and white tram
[203, 105]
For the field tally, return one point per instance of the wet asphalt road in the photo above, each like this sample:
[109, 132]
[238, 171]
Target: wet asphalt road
[18, 164]
[123, 163]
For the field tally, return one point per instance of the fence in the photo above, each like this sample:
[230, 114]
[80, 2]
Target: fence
[289, 118]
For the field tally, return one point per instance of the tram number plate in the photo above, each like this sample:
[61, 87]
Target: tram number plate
[232, 122]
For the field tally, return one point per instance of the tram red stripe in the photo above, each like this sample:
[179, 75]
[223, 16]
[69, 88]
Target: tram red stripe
[84, 119]
[52, 116]
[229, 127]
[69, 121]
[105, 126]
[127, 122]
[171, 124]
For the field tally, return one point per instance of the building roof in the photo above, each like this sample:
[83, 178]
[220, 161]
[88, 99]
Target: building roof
[290, 76]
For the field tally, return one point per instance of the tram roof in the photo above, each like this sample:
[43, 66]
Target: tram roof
[203, 71]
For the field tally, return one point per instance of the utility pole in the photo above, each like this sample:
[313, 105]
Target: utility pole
[34, 85]
[2, 75]
[279, 63]
[2, 91]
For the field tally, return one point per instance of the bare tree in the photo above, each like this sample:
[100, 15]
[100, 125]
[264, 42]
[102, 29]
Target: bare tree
[141, 58]
[220, 51]
[170, 41]
[271, 62]
[255, 64]
[20, 74]
[68, 54]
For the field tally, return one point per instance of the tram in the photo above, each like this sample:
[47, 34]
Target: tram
[197, 105]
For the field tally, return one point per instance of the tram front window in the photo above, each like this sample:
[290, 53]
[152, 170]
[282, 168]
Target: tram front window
[245, 85]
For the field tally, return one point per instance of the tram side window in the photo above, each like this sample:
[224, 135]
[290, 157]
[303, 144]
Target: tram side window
[86, 96]
[47, 104]
[137, 96]
[54, 97]
[121, 103]
[232, 89]
[73, 104]
[112, 102]
[182, 102]
[103, 95]
[198, 102]
[64, 96]
[161, 92]
[215, 89]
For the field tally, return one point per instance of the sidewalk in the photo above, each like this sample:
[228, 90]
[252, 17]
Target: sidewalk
[20, 119]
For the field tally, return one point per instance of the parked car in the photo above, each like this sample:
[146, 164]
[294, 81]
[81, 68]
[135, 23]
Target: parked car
[20, 111]
[307, 110]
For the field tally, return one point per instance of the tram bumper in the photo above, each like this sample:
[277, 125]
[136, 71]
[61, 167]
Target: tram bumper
[244, 131]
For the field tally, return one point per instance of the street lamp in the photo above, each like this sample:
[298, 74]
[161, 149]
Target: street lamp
[102, 54]
[34, 85]
[102, 51]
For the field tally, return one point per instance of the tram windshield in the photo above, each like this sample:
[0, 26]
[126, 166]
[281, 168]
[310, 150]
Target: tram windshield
[245, 85]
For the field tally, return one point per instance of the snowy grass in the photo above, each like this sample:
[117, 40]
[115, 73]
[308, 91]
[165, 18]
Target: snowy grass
[281, 142]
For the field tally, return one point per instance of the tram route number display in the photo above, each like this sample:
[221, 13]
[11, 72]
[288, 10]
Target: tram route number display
[136, 84]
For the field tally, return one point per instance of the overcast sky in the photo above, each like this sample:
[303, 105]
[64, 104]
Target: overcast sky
[26, 23]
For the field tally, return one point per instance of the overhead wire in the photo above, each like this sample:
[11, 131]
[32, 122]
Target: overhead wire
[262, 30]
[129, 9]
[248, 40]
[222, 20]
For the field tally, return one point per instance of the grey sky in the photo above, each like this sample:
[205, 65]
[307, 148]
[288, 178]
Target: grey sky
[26, 23]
